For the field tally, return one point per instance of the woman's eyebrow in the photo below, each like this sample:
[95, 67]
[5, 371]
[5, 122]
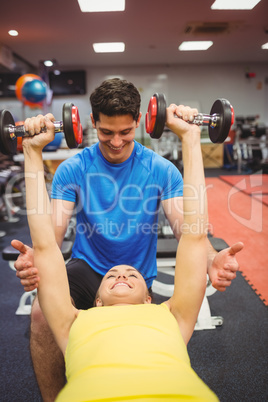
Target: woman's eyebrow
[128, 269]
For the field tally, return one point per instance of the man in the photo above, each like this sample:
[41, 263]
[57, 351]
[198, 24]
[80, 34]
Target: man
[115, 187]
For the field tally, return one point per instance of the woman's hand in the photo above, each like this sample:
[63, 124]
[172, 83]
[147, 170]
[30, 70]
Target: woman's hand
[178, 118]
[34, 126]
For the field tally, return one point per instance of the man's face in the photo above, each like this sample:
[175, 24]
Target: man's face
[116, 135]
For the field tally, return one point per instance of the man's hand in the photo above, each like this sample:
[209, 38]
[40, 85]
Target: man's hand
[24, 265]
[224, 267]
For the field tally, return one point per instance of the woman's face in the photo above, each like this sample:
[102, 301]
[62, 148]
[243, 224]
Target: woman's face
[122, 285]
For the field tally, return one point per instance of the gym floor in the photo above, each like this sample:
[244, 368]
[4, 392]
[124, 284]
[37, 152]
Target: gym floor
[232, 359]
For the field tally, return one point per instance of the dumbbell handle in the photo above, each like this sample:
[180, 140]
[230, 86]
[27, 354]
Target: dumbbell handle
[19, 131]
[205, 120]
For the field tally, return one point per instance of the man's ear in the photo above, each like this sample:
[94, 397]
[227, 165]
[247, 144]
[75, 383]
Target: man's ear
[99, 302]
[138, 121]
[92, 120]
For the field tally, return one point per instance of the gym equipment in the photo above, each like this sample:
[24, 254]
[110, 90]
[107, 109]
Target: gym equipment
[55, 144]
[219, 121]
[70, 125]
[34, 91]
[163, 285]
[21, 81]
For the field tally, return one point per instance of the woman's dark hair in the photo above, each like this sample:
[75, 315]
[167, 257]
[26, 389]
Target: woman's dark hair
[115, 97]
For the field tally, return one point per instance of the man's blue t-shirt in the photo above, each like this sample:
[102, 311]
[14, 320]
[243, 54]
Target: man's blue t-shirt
[117, 206]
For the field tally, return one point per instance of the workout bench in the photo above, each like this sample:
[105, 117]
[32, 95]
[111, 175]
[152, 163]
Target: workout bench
[163, 285]
[10, 190]
[10, 254]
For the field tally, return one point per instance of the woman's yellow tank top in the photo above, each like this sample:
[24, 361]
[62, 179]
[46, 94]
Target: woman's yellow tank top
[129, 353]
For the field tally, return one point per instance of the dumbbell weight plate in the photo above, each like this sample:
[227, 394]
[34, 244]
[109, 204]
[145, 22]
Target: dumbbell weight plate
[77, 127]
[71, 124]
[156, 115]
[8, 146]
[224, 109]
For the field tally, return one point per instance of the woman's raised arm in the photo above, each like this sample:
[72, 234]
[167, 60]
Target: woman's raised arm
[53, 290]
[191, 260]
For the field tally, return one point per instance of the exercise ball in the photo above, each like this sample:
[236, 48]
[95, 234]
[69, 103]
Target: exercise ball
[55, 144]
[21, 81]
[34, 91]
[32, 105]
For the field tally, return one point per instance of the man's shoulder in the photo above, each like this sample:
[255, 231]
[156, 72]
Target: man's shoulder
[150, 158]
[87, 153]
[81, 160]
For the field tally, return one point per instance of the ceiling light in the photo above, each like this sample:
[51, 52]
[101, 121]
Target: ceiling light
[48, 63]
[110, 77]
[234, 4]
[162, 76]
[195, 45]
[92, 6]
[13, 32]
[111, 47]
[265, 46]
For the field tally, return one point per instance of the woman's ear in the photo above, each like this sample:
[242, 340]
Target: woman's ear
[98, 302]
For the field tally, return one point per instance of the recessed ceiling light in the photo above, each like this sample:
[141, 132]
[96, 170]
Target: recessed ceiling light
[234, 4]
[48, 63]
[111, 47]
[265, 46]
[13, 32]
[92, 6]
[162, 76]
[109, 77]
[195, 45]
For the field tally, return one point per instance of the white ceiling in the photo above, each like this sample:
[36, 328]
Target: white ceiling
[151, 29]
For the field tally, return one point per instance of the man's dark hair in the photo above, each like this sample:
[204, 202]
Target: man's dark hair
[115, 97]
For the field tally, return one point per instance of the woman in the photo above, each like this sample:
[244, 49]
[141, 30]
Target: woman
[129, 349]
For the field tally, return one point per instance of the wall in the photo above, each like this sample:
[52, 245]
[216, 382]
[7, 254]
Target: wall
[197, 85]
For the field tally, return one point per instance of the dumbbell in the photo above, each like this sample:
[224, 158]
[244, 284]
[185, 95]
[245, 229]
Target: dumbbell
[70, 125]
[219, 121]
